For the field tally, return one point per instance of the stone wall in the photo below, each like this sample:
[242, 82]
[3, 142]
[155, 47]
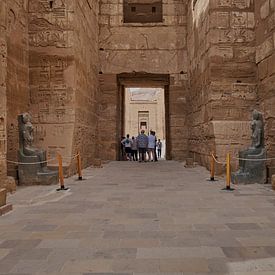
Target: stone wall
[18, 98]
[52, 85]
[3, 105]
[199, 123]
[233, 74]
[265, 58]
[158, 48]
[223, 86]
[86, 78]
[63, 37]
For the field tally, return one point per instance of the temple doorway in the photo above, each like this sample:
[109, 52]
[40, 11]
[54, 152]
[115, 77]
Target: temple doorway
[144, 105]
[144, 109]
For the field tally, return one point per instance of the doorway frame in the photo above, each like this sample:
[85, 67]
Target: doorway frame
[146, 80]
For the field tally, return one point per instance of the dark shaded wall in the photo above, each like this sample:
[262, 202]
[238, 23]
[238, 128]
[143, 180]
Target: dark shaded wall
[18, 97]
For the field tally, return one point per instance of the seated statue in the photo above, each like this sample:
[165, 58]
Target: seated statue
[36, 173]
[253, 171]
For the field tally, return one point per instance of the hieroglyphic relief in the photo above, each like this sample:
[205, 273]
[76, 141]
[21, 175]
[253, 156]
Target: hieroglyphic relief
[49, 38]
[50, 26]
[232, 35]
[52, 94]
[224, 3]
[240, 4]
[238, 19]
[3, 143]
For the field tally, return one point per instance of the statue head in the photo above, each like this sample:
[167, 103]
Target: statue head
[26, 117]
[255, 115]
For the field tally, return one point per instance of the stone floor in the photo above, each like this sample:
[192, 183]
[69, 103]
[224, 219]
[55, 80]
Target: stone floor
[140, 218]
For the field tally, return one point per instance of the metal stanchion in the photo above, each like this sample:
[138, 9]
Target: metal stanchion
[228, 174]
[60, 172]
[212, 168]
[79, 168]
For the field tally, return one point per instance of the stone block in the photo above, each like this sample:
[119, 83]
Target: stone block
[189, 163]
[239, 20]
[271, 65]
[219, 20]
[265, 49]
[263, 69]
[5, 209]
[3, 197]
[240, 4]
[264, 11]
[97, 163]
[273, 182]
[9, 184]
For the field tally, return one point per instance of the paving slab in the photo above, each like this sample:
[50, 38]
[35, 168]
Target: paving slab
[140, 219]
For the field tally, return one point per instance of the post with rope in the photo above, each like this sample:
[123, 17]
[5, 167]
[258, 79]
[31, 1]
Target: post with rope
[60, 172]
[228, 173]
[79, 166]
[212, 168]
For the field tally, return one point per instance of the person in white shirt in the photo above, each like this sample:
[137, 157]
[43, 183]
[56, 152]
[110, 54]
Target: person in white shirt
[151, 146]
[127, 143]
[134, 149]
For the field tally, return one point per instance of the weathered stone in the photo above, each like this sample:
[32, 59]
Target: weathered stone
[265, 9]
[273, 182]
[9, 184]
[3, 197]
[97, 163]
[189, 163]
[252, 164]
[5, 209]
[32, 168]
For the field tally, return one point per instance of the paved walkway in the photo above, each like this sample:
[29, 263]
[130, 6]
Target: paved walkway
[140, 218]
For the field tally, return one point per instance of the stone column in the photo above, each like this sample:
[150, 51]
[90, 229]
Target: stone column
[223, 76]
[265, 59]
[3, 99]
[233, 74]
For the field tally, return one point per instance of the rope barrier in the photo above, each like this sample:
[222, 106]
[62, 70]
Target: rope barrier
[59, 159]
[267, 159]
[245, 159]
[72, 157]
[38, 162]
[32, 163]
[219, 162]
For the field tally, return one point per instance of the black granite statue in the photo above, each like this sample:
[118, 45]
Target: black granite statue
[33, 168]
[252, 167]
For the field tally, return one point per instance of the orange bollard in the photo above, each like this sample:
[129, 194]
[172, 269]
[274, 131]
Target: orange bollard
[79, 168]
[212, 168]
[228, 173]
[60, 172]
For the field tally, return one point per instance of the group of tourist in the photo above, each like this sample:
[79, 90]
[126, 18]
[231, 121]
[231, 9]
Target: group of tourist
[141, 148]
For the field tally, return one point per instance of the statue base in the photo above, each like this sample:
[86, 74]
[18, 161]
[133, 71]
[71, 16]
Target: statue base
[251, 171]
[35, 174]
[8, 183]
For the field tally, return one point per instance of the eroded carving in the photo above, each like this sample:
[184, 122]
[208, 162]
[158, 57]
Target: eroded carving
[32, 160]
[251, 164]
